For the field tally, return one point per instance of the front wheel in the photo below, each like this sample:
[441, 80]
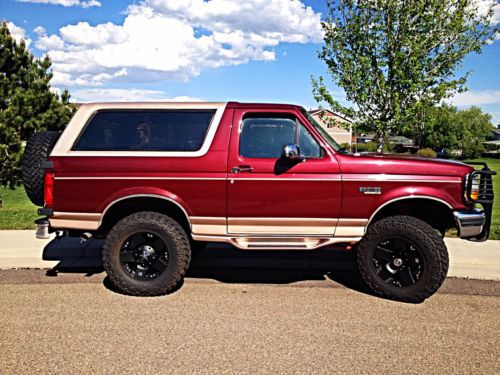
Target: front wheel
[403, 258]
[146, 254]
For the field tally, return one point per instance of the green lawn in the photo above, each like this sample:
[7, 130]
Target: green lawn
[18, 212]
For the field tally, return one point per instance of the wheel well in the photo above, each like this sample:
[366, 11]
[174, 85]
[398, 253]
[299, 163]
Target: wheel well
[132, 205]
[436, 214]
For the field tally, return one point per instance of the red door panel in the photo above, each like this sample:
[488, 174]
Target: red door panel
[273, 195]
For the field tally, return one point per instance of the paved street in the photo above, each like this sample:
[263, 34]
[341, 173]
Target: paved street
[241, 312]
[74, 323]
[20, 249]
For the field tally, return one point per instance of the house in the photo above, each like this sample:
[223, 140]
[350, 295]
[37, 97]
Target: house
[401, 140]
[330, 120]
[365, 138]
[494, 135]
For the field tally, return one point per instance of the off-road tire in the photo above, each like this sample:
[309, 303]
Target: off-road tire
[170, 232]
[417, 232]
[37, 151]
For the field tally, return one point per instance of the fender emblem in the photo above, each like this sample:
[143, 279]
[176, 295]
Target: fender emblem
[370, 190]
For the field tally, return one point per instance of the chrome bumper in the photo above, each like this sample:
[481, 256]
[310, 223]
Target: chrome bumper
[42, 229]
[470, 223]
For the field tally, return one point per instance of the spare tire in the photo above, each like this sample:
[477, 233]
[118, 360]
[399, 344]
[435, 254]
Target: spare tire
[37, 151]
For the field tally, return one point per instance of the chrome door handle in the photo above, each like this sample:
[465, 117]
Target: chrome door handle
[241, 168]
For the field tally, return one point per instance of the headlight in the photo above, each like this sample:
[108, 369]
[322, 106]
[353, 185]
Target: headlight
[474, 188]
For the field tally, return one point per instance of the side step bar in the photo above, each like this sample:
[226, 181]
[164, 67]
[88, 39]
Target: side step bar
[277, 243]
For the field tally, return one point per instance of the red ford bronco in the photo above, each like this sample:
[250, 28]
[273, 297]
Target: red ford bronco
[159, 180]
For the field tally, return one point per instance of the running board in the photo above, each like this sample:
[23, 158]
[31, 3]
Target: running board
[277, 243]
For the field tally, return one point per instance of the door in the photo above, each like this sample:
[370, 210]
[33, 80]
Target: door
[272, 195]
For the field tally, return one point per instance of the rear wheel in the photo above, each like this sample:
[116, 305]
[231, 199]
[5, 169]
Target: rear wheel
[403, 258]
[146, 254]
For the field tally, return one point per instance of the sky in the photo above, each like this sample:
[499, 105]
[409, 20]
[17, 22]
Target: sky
[217, 50]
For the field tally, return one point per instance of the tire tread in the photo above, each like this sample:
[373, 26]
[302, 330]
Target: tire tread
[438, 270]
[37, 150]
[157, 220]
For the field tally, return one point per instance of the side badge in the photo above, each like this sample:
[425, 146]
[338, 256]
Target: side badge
[370, 190]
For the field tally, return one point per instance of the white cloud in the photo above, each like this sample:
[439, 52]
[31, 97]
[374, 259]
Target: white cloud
[168, 39]
[83, 34]
[477, 98]
[124, 95]
[484, 5]
[45, 42]
[18, 33]
[66, 3]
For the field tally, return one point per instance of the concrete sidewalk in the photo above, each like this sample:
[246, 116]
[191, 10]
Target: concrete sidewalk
[20, 249]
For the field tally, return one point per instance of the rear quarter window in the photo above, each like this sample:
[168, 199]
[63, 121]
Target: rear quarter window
[145, 130]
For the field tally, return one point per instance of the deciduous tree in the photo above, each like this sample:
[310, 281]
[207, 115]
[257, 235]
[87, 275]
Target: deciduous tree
[446, 127]
[393, 57]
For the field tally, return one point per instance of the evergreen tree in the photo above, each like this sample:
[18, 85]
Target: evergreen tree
[27, 105]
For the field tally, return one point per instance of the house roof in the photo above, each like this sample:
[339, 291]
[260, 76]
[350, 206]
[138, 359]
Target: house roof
[401, 139]
[313, 112]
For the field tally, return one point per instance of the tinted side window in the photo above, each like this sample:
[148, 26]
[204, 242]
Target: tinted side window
[151, 130]
[265, 138]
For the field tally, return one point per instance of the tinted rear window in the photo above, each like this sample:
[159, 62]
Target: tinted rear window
[150, 130]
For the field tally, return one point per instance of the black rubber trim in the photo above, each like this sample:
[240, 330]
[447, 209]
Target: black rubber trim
[46, 211]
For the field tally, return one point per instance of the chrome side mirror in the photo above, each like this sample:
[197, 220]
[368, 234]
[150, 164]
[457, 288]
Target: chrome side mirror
[291, 151]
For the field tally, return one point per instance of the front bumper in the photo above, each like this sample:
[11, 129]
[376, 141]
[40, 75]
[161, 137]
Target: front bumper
[472, 225]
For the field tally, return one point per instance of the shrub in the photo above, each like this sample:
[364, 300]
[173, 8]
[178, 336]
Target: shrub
[366, 147]
[427, 153]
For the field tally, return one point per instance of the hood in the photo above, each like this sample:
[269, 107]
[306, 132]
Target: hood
[404, 165]
[415, 158]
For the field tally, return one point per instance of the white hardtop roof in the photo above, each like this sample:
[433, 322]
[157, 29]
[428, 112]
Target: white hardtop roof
[150, 105]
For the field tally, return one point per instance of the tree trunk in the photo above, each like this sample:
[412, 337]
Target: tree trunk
[381, 142]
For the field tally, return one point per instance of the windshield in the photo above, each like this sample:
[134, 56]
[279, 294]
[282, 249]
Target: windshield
[327, 137]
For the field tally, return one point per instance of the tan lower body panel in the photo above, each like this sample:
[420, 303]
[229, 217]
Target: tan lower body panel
[75, 220]
[351, 227]
[276, 233]
[212, 226]
[248, 233]
[281, 226]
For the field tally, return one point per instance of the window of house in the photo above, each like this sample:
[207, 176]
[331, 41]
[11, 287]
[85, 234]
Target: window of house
[264, 137]
[145, 130]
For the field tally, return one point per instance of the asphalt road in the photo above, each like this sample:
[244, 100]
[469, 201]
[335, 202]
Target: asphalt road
[76, 323]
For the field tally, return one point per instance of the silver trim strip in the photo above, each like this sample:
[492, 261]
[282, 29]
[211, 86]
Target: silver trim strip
[407, 197]
[310, 243]
[144, 195]
[386, 179]
[245, 179]
[284, 179]
[142, 178]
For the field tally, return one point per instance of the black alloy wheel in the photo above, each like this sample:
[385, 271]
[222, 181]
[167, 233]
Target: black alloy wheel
[398, 262]
[144, 256]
